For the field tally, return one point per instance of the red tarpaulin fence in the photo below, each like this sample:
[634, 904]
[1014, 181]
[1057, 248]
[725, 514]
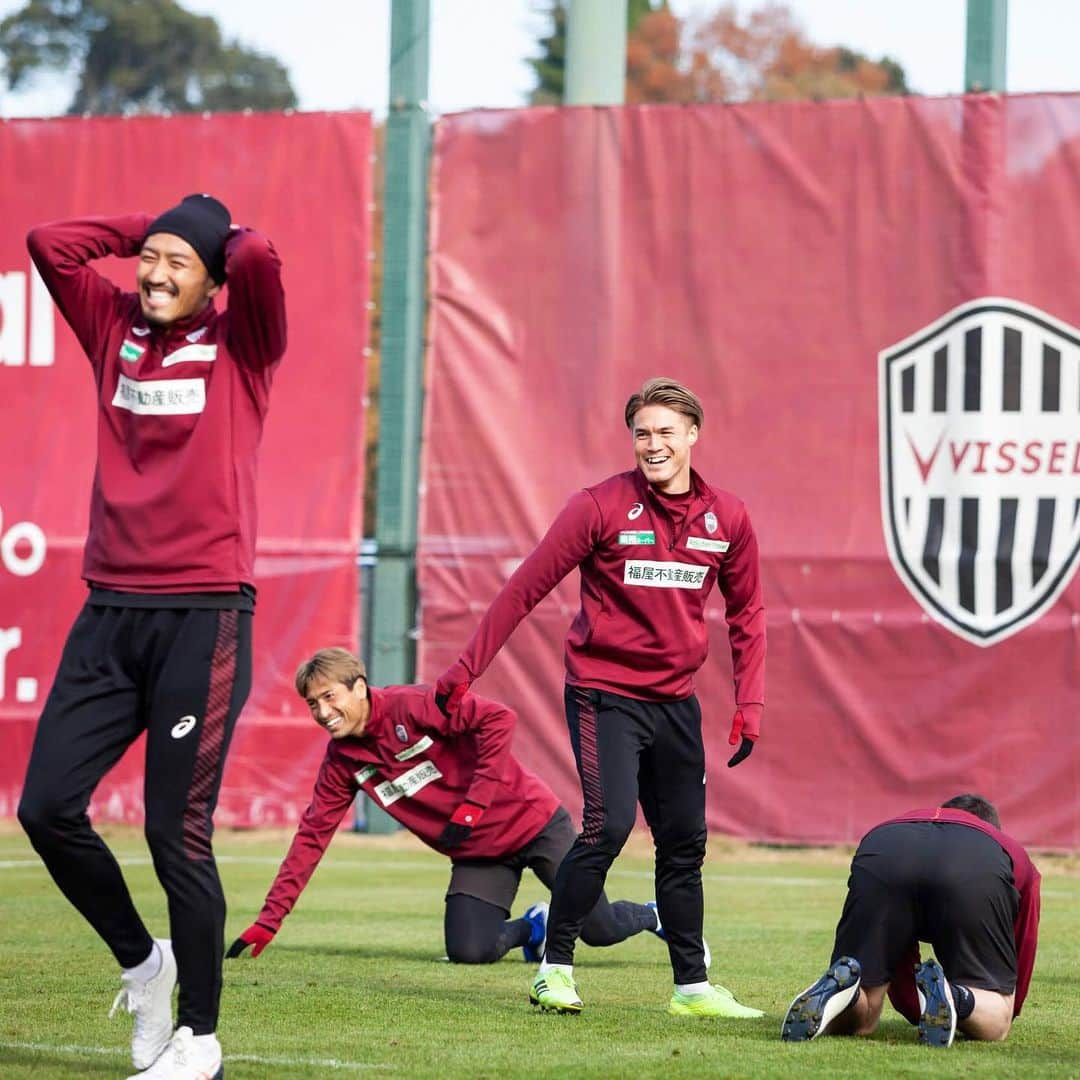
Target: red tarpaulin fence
[304, 180]
[877, 302]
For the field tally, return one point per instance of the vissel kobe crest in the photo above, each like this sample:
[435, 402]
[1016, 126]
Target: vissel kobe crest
[980, 465]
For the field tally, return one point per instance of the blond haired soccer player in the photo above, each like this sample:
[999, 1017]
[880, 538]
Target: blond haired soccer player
[650, 543]
[454, 783]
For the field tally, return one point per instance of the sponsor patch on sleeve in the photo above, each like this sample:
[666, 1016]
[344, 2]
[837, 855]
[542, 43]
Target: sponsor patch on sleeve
[365, 774]
[701, 543]
[663, 575]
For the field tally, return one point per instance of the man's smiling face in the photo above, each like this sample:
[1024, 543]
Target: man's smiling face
[342, 710]
[662, 441]
[172, 281]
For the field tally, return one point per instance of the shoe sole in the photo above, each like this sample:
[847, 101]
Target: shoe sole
[676, 1010]
[937, 1024]
[565, 1010]
[812, 1011]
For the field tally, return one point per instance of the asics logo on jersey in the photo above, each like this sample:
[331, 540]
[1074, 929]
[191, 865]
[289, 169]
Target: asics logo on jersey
[183, 726]
[635, 512]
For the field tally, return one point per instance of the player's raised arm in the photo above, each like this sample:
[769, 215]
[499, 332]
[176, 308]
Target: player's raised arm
[62, 251]
[257, 331]
[572, 536]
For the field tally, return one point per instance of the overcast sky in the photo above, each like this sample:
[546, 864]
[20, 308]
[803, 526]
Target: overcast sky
[337, 50]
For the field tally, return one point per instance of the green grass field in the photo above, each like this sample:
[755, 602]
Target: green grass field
[353, 984]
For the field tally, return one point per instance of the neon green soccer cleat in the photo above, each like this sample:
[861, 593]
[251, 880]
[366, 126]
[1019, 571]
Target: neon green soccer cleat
[554, 991]
[718, 1001]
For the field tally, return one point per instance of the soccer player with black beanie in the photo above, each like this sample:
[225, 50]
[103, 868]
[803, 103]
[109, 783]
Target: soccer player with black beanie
[163, 643]
[650, 544]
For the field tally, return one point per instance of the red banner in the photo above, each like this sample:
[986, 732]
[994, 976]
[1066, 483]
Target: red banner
[876, 302]
[304, 180]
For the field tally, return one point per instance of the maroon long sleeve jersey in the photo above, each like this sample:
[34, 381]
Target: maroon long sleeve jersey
[419, 766]
[180, 410]
[641, 629]
[902, 990]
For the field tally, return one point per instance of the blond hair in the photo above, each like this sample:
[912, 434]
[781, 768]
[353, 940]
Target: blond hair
[674, 395]
[334, 665]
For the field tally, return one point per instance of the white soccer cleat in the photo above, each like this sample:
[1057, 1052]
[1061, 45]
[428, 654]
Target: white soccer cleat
[150, 1003]
[187, 1058]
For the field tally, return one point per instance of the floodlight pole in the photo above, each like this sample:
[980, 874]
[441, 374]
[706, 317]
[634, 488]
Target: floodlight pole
[595, 53]
[392, 651]
[987, 36]
[408, 140]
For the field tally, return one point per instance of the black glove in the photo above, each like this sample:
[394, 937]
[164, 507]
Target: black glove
[744, 751]
[460, 826]
[256, 937]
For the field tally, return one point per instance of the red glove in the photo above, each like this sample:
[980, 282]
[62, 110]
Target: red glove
[462, 822]
[450, 687]
[745, 729]
[256, 935]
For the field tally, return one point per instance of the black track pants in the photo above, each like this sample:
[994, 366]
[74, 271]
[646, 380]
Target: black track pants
[629, 751]
[180, 675]
[480, 933]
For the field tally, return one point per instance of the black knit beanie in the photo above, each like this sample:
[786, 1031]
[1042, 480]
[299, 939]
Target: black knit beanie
[204, 223]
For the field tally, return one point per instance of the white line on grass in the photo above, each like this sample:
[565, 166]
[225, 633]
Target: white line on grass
[342, 863]
[254, 1059]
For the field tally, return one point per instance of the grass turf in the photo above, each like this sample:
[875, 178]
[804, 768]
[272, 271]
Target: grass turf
[353, 984]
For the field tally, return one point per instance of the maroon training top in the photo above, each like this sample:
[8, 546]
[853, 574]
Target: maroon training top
[180, 410]
[644, 583]
[902, 991]
[419, 767]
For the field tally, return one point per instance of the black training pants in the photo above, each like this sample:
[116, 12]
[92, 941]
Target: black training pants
[629, 751]
[182, 676]
[482, 892]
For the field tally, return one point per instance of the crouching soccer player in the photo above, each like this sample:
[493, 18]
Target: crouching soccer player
[454, 784]
[948, 876]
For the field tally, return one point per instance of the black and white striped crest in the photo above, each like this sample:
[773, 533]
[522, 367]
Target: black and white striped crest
[980, 465]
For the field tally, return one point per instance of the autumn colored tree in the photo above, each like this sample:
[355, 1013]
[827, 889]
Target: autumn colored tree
[760, 56]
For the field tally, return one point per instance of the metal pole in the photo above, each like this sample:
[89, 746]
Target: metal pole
[987, 36]
[408, 140]
[595, 53]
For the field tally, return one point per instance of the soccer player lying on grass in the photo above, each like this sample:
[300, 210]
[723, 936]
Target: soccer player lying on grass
[948, 876]
[454, 784]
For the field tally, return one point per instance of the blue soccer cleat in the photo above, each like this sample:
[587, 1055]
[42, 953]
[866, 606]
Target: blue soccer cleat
[537, 918]
[812, 1011]
[937, 1022]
